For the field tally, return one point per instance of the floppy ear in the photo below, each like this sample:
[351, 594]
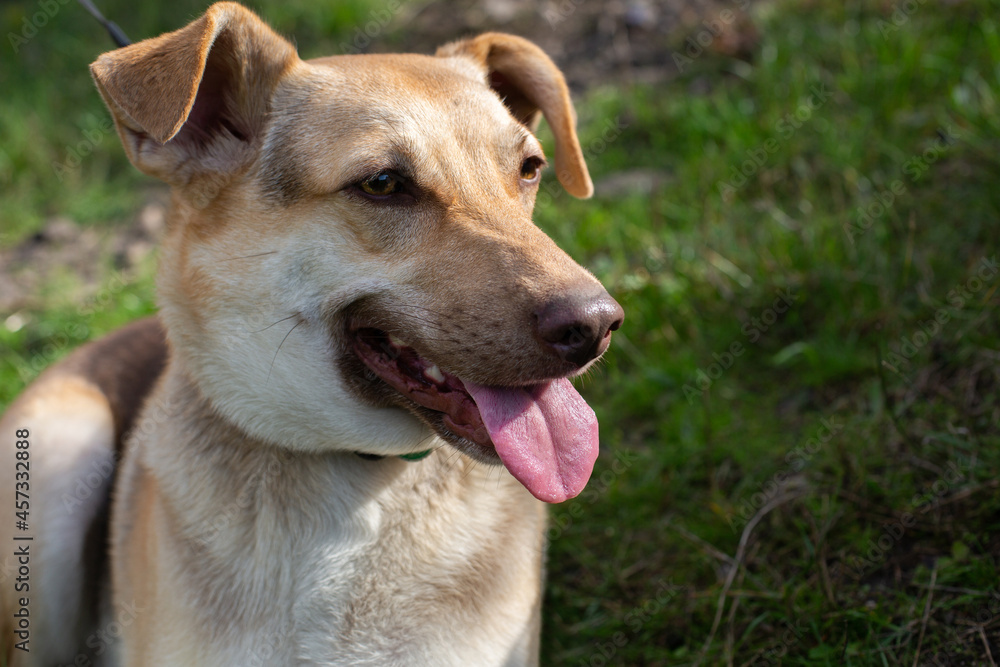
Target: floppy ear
[529, 83]
[191, 105]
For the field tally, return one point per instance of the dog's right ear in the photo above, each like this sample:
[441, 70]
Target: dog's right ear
[191, 105]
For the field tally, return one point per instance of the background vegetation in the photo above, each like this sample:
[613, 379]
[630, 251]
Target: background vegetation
[800, 416]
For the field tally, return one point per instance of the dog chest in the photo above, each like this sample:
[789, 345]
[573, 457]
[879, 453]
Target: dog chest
[427, 563]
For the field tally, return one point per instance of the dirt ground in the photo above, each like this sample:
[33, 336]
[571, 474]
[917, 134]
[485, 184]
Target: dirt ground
[619, 42]
[623, 41]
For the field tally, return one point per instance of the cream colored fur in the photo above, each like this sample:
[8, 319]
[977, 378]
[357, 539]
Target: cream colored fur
[245, 528]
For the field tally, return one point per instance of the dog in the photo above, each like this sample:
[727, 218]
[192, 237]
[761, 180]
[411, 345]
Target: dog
[335, 443]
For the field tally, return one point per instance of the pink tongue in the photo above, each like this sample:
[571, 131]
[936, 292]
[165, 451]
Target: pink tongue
[546, 435]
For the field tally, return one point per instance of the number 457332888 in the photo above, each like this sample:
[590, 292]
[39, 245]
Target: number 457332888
[22, 472]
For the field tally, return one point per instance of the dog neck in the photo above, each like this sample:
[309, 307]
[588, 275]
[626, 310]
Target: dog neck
[244, 519]
[187, 439]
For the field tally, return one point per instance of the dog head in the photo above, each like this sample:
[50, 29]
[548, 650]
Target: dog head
[350, 261]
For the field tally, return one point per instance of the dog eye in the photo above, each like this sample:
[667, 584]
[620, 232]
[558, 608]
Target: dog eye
[530, 168]
[381, 185]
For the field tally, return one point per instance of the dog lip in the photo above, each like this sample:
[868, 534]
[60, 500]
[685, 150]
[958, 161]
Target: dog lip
[422, 382]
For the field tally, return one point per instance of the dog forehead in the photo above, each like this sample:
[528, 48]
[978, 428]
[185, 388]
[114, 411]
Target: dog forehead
[341, 108]
[401, 89]
[414, 72]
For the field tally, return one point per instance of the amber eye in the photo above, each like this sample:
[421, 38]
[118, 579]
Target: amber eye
[381, 185]
[529, 169]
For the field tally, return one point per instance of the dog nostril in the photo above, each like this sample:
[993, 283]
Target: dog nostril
[578, 327]
[575, 336]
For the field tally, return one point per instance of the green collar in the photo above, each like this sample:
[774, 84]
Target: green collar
[416, 456]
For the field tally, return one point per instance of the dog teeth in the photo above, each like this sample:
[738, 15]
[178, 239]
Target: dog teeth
[435, 374]
[396, 341]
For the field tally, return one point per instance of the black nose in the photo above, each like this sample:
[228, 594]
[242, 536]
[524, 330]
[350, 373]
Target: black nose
[577, 326]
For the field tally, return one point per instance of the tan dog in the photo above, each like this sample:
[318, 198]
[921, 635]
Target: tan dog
[350, 277]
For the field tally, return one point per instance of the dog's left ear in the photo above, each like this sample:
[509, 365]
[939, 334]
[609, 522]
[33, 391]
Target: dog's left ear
[529, 83]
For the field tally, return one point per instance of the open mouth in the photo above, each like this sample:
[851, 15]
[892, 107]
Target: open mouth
[545, 434]
[424, 383]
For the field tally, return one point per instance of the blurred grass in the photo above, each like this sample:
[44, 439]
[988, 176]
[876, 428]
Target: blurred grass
[692, 267]
[52, 111]
[638, 563]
